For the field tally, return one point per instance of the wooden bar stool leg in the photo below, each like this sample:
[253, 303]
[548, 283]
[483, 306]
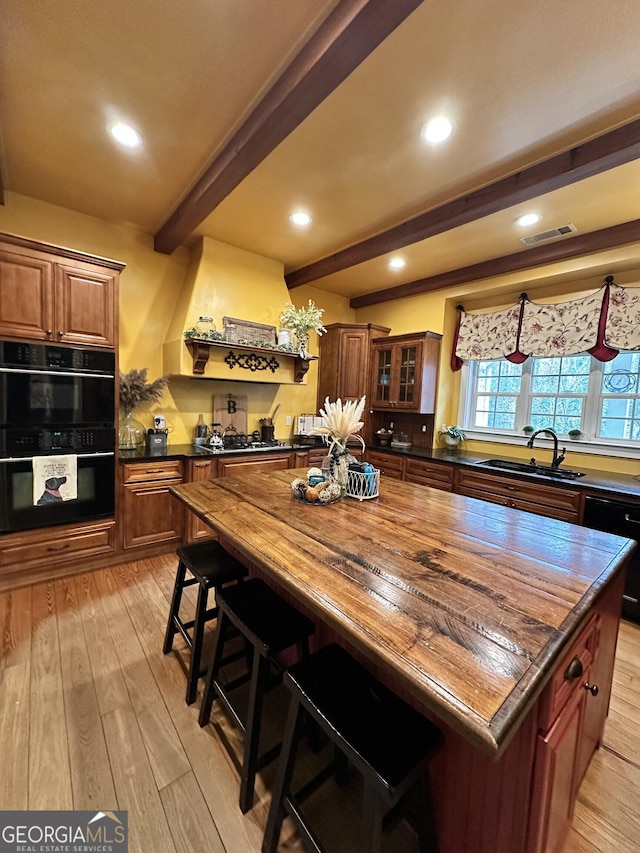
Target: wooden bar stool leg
[284, 774]
[196, 650]
[259, 677]
[214, 669]
[175, 608]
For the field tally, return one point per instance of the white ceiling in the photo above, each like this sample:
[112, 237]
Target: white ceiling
[522, 82]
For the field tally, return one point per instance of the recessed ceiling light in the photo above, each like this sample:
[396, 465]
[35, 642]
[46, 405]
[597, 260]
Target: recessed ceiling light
[300, 218]
[397, 263]
[436, 130]
[125, 135]
[528, 219]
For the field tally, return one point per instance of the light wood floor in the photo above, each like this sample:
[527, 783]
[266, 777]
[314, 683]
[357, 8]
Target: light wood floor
[92, 716]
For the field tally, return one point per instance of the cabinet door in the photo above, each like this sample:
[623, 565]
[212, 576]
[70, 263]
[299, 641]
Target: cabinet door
[26, 296]
[407, 371]
[200, 469]
[404, 371]
[151, 514]
[555, 776]
[85, 306]
[353, 364]
[382, 367]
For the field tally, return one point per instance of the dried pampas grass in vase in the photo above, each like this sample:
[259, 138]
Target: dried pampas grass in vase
[134, 391]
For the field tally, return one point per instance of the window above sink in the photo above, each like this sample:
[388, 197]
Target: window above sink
[570, 392]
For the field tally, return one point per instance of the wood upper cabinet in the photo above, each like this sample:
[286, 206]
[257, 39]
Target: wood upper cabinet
[84, 306]
[345, 355]
[404, 372]
[26, 295]
[53, 294]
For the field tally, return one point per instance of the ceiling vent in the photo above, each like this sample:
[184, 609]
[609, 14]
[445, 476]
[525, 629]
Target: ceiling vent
[551, 234]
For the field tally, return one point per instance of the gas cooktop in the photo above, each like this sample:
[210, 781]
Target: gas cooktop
[249, 447]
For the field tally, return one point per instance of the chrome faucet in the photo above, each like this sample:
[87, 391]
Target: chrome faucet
[557, 457]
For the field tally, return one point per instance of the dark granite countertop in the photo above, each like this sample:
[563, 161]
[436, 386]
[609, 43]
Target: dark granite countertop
[622, 485]
[593, 480]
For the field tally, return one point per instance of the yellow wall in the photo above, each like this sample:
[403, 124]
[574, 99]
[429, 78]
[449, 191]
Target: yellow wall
[155, 302]
[437, 312]
[153, 287]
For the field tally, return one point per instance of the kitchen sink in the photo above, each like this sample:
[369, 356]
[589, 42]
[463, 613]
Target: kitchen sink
[532, 468]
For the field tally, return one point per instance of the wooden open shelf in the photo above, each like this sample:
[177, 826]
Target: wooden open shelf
[200, 350]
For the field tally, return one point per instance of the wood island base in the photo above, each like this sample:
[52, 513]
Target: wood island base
[498, 625]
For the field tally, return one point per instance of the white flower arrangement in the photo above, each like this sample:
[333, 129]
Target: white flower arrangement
[303, 321]
[342, 422]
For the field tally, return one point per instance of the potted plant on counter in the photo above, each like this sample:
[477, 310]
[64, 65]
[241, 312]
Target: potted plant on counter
[575, 434]
[528, 429]
[452, 435]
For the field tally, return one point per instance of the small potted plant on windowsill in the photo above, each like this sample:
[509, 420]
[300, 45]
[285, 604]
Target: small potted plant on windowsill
[528, 429]
[575, 434]
[452, 435]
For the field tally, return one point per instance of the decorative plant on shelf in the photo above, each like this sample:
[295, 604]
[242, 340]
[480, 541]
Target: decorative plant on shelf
[452, 435]
[342, 421]
[303, 321]
[528, 429]
[134, 391]
[575, 434]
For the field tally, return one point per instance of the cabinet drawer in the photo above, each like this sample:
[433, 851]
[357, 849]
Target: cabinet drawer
[315, 456]
[388, 464]
[256, 464]
[429, 474]
[63, 544]
[562, 686]
[552, 501]
[148, 472]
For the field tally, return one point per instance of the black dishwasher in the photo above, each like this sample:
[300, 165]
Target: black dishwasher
[622, 519]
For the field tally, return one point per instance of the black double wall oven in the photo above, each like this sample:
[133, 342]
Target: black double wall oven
[57, 435]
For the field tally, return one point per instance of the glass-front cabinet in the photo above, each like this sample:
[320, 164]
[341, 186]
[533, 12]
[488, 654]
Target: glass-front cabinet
[404, 372]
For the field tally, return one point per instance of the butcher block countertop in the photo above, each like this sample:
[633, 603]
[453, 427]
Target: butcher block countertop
[466, 604]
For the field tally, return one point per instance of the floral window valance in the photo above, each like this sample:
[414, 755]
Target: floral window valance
[601, 324]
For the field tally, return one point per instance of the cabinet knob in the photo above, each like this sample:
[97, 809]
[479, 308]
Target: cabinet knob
[574, 670]
[49, 332]
[592, 688]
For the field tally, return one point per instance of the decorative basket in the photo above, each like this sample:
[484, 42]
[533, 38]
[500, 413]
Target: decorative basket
[303, 492]
[363, 485]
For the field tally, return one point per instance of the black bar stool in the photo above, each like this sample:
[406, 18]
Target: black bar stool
[211, 567]
[269, 625]
[386, 740]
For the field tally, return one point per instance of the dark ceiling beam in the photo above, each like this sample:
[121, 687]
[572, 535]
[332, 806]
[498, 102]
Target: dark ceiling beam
[571, 247]
[598, 155]
[345, 38]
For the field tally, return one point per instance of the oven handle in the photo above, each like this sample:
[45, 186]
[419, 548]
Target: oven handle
[77, 455]
[56, 373]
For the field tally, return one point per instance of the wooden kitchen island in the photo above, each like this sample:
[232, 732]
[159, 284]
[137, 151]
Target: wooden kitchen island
[496, 623]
